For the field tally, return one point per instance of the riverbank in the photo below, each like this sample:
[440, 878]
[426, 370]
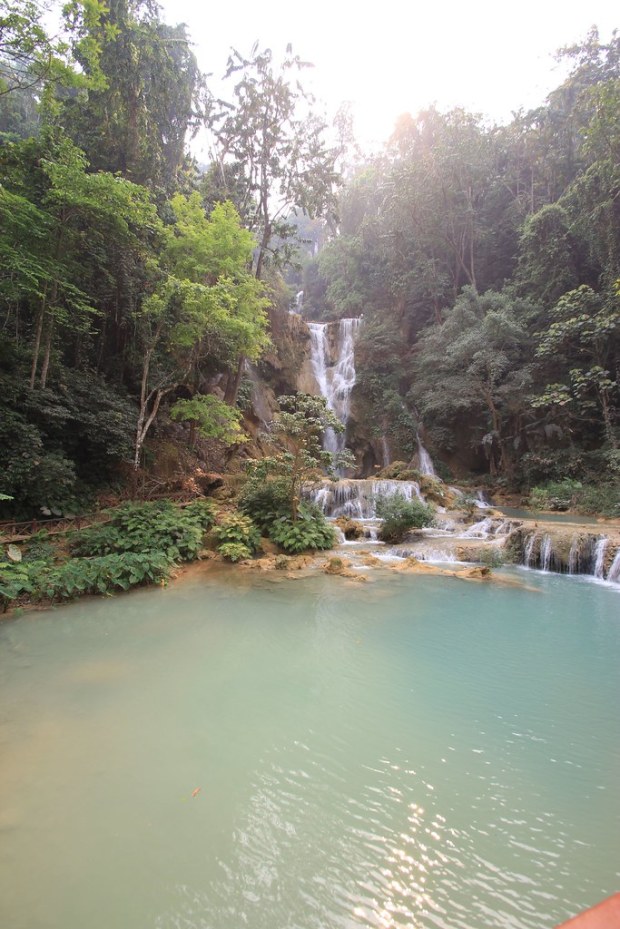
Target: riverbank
[142, 544]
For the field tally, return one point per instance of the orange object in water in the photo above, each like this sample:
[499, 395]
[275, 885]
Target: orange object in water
[196, 791]
[605, 915]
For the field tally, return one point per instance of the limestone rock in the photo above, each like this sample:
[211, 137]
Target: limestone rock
[341, 567]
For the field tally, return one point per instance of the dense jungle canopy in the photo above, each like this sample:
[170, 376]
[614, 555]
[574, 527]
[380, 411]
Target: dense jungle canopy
[135, 283]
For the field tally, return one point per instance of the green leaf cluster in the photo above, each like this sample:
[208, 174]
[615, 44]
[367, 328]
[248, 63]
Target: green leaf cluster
[400, 515]
[237, 536]
[178, 533]
[78, 576]
[310, 531]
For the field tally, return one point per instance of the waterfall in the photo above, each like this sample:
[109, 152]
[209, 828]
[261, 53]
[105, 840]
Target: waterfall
[599, 557]
[480, 530]
[318, 354]
[481, 502]
[613, 575]
[299, 301]
[545, 552]
[357, 499]
[336, 382]
[425, 460]
[385, 448]
[573, 556]
[529, 550]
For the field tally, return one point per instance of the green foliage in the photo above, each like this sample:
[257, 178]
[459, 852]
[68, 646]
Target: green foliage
[147, 527]
[601, 498]
[298, 430]
[263, 500]
[138, 546]
[492, 557]
[237, 530]
[400, 515]
[270, 131]
[100, 575]
[310, 531]
[235, 551]
[212, 418]
[555, 495]
[15, 580]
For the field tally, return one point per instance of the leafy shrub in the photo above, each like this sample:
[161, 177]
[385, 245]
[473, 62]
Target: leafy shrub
[101, 575]
[14, 581]
[265, 501]
[603, 499]
[492, 557]
[554, 495]
[78, 576]
[237, 529]
[309, 531]
[234, 551]
[400, 515]
[148, 527]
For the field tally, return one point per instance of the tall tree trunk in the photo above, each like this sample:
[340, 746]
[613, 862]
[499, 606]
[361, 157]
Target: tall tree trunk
[233, 382]
[609, 429]
[48, 351]
[37, 344]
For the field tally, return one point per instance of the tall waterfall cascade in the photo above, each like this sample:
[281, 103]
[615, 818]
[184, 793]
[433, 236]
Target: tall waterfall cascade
[578, 552]
[335, 380]
[425, 461]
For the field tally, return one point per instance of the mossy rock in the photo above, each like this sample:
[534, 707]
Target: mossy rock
[350, 528]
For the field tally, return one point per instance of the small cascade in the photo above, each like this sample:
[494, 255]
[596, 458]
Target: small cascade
[573, 556]
[528, 552]
[480, 530]
[481, 501]
[581, 554]
[357, 499]
[385, 450]
[425, 461]
[299, 302]
[335, 381]
[613, 575]
[426, 553]
[546, 550]
[341, 539]
[600, 550]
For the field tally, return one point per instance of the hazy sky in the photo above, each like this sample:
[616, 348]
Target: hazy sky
[489, 57]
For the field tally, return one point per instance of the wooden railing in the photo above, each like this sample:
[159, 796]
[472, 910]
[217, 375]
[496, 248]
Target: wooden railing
[14, 531]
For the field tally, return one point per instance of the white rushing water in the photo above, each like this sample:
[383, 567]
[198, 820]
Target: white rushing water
[481, 502]
[425, 461]
[573, 556]
[599, 557]
[587, 556]
[529, 550]
[357, 499]
[337, 380]
[545, 552]
[614, 571]
[385, 450]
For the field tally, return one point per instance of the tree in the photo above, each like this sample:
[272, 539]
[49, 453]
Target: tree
[136, 120]
[211, 418]
[207, 310]
[270, 131]
[63, 223]
[582, 344]
[475, 364]
[298, 430]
